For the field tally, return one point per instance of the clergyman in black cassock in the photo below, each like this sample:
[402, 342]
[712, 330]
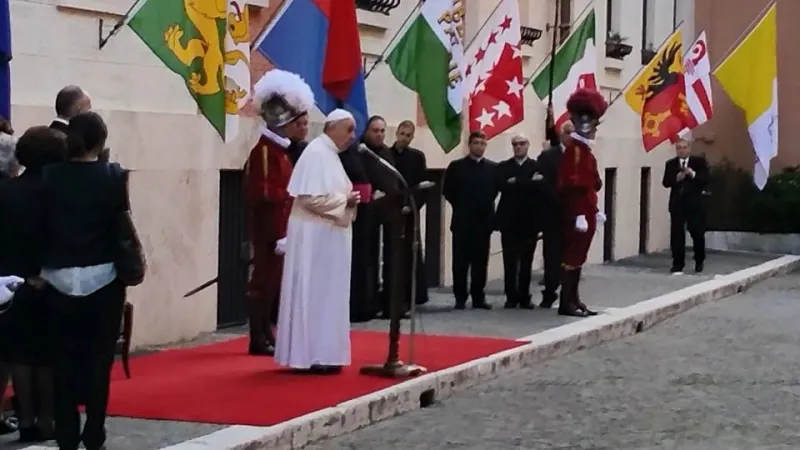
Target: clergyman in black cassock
[470, 186]
[412, 165]
[366, 243]
[519, 182]
[550, 219]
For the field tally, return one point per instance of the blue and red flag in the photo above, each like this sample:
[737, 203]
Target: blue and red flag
[5, 59]
[319, 40]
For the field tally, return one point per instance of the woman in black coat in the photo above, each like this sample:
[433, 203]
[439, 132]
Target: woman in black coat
[27, 339]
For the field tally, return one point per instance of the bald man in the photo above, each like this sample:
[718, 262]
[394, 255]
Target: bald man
[549, 162]
[520, 183]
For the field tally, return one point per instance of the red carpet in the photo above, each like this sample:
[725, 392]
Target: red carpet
[220, 384]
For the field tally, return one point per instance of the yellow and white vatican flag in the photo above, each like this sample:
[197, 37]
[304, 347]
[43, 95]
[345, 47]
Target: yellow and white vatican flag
[750, 78]
[237, 65]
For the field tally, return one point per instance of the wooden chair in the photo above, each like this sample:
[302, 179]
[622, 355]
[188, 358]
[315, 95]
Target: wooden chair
[124, 341]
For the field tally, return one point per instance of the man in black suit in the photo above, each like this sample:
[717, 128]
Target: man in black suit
[70, 101]
[519, 183]
[550, 219]
[687, 177]
[470, 186]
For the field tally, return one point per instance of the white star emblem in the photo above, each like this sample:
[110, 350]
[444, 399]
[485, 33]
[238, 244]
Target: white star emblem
[517, 52]
[486, 119]
[515, 87]
[480, 87]
[502, 109]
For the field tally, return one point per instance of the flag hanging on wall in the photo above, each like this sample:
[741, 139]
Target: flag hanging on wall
[208, 48]
[574, 66]
[750, 78]
[319, 40]
[427, 59]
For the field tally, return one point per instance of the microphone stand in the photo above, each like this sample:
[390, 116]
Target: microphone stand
[394, 367]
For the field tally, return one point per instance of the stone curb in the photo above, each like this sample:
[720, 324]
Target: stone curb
[404, 397]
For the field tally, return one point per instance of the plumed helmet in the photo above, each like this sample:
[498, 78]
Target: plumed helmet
[586, 107]
[282, 97]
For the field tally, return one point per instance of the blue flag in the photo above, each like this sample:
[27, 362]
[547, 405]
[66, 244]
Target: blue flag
[5, 58]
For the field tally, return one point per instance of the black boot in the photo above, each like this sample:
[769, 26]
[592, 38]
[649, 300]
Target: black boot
[580, 303]
[568, 304]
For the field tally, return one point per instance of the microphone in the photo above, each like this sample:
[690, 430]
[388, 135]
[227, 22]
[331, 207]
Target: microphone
[362, 148]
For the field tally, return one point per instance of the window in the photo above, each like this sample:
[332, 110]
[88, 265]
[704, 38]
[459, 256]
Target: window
[565, 20]
[648, 30]
[613, 22]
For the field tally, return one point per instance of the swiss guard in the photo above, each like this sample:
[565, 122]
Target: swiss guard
[284, 100]
[579, 181]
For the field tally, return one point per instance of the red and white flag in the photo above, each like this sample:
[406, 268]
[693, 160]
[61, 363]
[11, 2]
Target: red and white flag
[697, 77]
[494, 73]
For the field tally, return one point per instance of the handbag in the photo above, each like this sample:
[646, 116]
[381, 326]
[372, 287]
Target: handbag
[129, 260]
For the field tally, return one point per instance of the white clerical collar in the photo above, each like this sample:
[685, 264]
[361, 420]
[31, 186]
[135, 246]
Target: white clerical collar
[60, 120]
[274, 137]
[476, 158]
[580, 138]
[521, 161]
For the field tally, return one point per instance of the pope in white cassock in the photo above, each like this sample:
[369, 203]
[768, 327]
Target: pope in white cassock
[314, 317]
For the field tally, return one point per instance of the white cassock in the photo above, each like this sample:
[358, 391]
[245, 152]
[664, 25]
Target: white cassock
[314, 318]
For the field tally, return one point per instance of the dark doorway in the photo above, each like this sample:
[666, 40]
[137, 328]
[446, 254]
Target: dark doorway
[233, 256]
[610, 186]
[644, 210]
[434, 205]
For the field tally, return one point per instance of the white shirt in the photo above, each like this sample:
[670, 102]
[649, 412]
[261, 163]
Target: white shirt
[684, 162]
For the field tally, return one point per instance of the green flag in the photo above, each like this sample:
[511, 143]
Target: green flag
[427, 60]
[191, 44]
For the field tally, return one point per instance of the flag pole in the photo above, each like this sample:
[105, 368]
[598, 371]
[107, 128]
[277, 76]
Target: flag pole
[390, 44]
[744, 33]
[641, 69]
[553, 46]
[103, 40]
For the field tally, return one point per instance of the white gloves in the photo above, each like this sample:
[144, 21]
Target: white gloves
[7, 287]
[581, 224]
[280, 246]
[600, 217]
[377, 195]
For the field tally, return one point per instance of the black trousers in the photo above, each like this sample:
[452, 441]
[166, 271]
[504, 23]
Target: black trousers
[518, 250]
[421, 294]
[86, 332]
[552, 243]
[680, 221]
[470, 256]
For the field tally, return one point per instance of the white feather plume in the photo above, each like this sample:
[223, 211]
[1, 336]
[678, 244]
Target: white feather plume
[288, 85]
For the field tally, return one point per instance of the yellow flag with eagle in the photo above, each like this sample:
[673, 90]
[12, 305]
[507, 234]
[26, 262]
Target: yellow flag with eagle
[658, 95]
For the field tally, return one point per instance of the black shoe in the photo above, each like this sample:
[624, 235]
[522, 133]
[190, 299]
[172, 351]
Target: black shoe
[481, 305]
[525, 302]
[698, 267]
[510, 303]
[8, 425]
[548, 299]
[676, 270]
[461, 305]
[262, 350]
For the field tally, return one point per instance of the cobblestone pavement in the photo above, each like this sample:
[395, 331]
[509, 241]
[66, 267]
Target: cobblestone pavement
[722, 376]
[619, 284]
